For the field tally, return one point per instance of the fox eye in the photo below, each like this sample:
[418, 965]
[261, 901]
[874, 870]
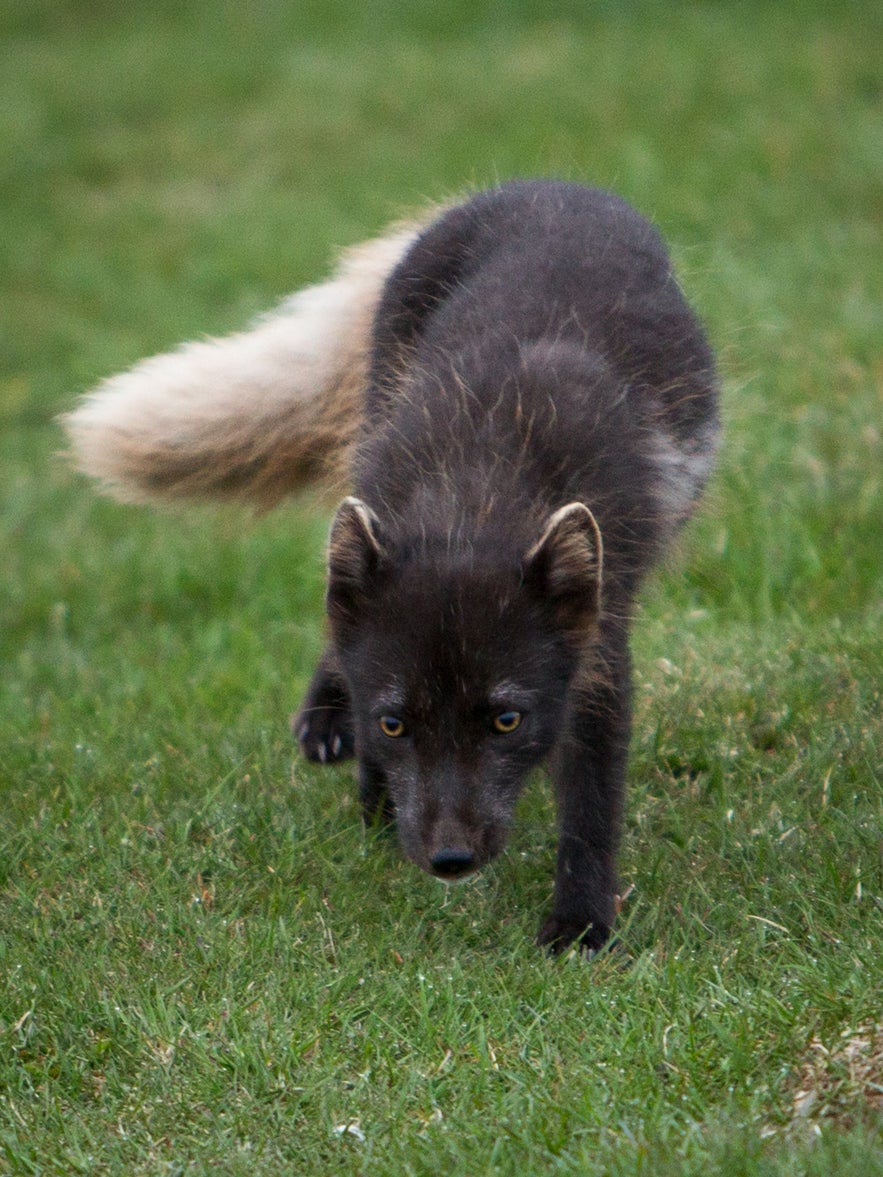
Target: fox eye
[392, 726]
[506, 722]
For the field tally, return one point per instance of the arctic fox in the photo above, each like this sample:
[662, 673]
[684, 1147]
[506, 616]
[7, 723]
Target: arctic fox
[524, 410]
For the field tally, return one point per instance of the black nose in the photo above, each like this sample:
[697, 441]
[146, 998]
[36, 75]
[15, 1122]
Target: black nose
[451, 863]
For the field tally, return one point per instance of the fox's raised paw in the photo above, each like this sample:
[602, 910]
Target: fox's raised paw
[324, 734]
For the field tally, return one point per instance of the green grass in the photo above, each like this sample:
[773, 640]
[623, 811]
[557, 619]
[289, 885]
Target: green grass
[206, 964]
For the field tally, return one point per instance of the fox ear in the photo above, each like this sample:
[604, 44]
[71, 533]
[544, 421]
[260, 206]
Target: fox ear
[564, 567]
[354, 556]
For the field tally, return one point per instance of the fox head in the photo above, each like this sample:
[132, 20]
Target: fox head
[458, 658]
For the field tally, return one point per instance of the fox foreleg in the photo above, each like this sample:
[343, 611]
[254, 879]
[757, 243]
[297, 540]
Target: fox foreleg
[323, 727]
[590, 780]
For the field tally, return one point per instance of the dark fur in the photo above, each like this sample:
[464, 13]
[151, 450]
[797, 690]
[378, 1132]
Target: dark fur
[532, 351]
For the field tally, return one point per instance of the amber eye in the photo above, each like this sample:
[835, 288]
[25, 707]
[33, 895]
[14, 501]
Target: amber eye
[506, 722]
[392, 726]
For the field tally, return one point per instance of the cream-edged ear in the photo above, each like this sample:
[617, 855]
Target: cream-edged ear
[355, 553]
[564, 566]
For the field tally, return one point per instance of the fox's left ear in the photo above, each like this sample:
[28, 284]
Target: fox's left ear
[564, 567]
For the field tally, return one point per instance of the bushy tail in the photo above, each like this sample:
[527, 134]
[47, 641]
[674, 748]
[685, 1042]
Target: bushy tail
[251, 417]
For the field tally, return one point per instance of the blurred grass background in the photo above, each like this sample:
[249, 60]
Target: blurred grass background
[206, 964]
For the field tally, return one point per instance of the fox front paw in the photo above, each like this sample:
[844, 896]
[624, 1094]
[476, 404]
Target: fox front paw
[559, 932]
[324, 734]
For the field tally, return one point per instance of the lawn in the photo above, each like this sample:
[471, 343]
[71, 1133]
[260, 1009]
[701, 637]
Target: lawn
[207, 965]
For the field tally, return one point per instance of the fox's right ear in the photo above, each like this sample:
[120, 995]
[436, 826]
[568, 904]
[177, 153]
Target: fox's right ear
[355, 554]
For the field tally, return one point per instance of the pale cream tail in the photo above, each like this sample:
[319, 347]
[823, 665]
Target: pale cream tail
[251, 417]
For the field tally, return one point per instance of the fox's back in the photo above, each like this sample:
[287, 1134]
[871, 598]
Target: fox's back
[532, 348]
[547, 260]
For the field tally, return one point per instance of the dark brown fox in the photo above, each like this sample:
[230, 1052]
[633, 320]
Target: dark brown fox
[527, 410]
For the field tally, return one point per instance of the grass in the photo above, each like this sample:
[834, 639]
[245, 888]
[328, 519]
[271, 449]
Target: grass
[206, 964]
